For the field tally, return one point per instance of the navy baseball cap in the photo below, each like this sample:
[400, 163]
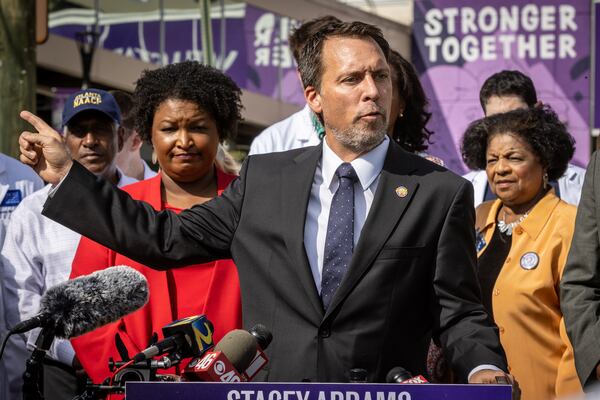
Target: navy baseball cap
[91, 99]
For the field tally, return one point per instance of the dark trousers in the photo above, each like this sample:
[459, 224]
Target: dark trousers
[60, 381]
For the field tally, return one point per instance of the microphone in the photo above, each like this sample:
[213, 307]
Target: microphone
[214, 366]
[81, 305]
[190, 337]
[400, 375]
[238, 350]
[239, 346]
[358, 375]
[262, 335]
[263, 338]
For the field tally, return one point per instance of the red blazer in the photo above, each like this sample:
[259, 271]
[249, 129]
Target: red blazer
[212, 289]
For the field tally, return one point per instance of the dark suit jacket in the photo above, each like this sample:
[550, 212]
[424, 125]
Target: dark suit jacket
[580, 284]
[412, 272]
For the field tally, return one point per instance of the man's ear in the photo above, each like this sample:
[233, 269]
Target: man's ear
[313, 99]
[120, 136]
[136, 141]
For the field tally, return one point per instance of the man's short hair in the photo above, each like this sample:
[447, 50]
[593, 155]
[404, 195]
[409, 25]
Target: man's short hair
[125, 102]
[310, 64]
[508, 83]
[301, 34]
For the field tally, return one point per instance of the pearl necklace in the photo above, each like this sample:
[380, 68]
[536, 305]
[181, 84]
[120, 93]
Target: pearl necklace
[508, 228]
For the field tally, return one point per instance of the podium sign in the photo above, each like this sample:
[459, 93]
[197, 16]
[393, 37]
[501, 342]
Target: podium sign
[312, 391]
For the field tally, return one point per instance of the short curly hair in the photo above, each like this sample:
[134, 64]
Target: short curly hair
[539, 127]
[209, 88]
[410, 131]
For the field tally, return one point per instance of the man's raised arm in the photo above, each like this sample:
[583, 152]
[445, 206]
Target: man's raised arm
[98, 210]
[44, 151]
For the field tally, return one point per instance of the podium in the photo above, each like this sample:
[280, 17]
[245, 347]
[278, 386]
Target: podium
[312, 391]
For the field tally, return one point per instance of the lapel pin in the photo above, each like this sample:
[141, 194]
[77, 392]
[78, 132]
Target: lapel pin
[401, 191]
[530, 260]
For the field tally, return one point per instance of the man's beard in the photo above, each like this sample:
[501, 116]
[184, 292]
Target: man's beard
[359, 139]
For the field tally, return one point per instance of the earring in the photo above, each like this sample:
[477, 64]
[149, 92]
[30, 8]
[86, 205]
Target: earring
[545, 178]
[154, 157]
[401, 114]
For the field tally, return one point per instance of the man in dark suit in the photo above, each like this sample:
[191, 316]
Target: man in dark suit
[580, 284]
[353, 253]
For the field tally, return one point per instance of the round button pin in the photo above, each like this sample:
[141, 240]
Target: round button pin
[530, 260]
[401, 191]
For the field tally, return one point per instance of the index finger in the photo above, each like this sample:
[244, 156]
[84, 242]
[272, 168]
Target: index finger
[35, 121]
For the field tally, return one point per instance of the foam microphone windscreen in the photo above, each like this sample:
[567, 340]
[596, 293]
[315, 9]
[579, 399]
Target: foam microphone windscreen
[88, 302]
[239, 346]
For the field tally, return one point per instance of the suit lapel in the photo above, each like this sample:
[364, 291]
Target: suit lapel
[297, 181]
[387, 209]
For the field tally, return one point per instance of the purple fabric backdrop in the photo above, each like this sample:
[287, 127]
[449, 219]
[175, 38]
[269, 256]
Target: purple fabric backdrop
[457, 44]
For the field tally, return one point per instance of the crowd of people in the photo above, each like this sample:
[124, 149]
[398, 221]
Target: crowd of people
[356, 247]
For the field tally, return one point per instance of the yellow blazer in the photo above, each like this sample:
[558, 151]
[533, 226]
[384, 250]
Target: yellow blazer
[525, 298]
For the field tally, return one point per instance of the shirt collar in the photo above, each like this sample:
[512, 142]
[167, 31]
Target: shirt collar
[367, 166]
[308, 124]
[540, 214]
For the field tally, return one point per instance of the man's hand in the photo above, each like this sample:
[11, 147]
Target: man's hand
[489, 376]
[44, 151]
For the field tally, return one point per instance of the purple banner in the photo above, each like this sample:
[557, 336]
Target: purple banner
[457, 44]
[257, 55]
[312, 391]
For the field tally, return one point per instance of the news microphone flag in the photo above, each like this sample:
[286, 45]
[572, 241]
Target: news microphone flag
[197, 327]
[189, 337]
[212, 367]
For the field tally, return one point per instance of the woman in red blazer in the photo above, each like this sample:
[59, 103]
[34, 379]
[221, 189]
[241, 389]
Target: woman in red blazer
[184, 110]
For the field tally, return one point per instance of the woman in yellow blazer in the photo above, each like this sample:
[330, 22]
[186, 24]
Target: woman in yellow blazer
[523, 239]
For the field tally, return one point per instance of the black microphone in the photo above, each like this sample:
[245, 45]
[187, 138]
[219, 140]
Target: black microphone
[263, 338]
[81, 305]
[400, 375]
[262, 335]
[397, 375]
[189, 337]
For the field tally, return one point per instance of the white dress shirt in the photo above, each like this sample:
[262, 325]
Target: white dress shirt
[294, 132]
[37, 254]
[325, 183]
[17, 181]
[148, 172]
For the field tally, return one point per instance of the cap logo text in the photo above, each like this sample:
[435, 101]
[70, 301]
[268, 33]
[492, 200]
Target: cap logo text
[87, 98]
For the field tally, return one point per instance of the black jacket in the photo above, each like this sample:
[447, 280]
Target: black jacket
[412, 273]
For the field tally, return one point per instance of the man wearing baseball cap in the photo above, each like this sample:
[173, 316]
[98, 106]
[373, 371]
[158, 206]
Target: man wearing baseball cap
[37, 253]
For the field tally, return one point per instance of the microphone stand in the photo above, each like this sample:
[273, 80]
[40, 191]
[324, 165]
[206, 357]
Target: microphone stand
[33, 378]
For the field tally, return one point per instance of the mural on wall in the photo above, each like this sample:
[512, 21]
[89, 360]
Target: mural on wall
[257, 55]
[457, 44]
